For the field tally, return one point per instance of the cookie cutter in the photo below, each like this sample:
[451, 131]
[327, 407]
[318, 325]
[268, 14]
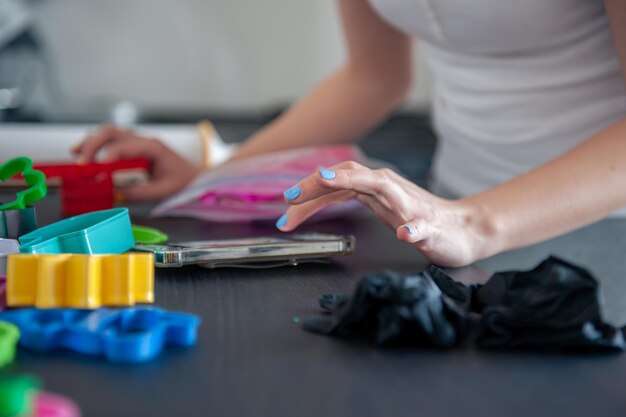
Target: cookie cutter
[19, 396]
[9, 335]
[36, 181]
[80, 281]
[128, 335]
[89, 187]
[7, 247]
[15, 223]
[100, 232]
[48, 404]
[3, 295]
[148, 235]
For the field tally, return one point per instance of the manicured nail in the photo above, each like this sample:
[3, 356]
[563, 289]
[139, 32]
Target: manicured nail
[327, 174]
[409, 229]
[293, 193]
[282, 221]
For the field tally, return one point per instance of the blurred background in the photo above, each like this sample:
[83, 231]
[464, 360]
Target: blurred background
[238, 63]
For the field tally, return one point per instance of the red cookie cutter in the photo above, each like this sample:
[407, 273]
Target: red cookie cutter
[89, 187]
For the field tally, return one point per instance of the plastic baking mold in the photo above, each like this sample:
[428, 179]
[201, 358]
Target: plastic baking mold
[100, 232]
[121, 335]
[80, 281]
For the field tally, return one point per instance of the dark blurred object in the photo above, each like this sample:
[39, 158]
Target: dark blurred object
[393, 310]
[553, 306]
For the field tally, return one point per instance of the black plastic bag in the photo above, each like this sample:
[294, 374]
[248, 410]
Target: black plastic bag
[553, 306]
[390, 310]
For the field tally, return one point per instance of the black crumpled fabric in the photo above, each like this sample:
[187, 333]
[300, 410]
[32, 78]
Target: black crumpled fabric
[553, 306]
[390, 310]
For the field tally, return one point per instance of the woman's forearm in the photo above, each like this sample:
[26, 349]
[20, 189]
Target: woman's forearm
[339, 110]
[573, 190]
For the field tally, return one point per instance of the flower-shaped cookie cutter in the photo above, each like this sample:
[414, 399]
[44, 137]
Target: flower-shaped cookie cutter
[79, 281]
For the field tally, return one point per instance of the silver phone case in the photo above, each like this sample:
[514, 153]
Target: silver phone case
[248, 252]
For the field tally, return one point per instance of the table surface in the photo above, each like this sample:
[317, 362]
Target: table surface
[251, 359]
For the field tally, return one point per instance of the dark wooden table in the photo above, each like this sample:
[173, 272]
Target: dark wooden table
[253, 360]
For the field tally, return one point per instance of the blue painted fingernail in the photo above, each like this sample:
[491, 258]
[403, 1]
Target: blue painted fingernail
[409, 229]
[293, 193]
[282, 221]
[327, 174]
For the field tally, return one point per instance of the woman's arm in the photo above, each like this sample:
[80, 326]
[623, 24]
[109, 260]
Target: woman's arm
[577, 188]
[375, 79]
[573, 190]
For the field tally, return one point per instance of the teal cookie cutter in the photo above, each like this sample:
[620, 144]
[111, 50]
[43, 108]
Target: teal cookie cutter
[99, 232]
[36, 181]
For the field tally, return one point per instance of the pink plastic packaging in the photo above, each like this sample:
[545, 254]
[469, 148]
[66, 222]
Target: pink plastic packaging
[252, 189]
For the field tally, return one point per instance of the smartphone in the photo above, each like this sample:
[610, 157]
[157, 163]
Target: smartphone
[249, 252]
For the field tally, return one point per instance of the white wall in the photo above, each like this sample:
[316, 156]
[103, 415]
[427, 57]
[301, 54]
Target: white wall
[218, 54]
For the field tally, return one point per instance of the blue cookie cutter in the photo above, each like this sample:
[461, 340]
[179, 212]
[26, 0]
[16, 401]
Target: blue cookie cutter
[122, 335]
[99, 232]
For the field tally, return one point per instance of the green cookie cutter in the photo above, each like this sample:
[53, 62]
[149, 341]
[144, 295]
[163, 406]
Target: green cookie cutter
[98, 232]
[36, 181]
[17, 395]
[148, 235]
[9, 335]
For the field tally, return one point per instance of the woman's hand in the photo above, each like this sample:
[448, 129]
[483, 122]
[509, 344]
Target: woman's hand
[168, 171]
[448, 233]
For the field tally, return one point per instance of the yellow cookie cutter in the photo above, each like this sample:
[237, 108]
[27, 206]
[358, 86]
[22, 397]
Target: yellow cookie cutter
[79, 281]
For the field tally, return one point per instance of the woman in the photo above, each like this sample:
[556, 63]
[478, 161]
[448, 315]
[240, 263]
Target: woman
[529, 106]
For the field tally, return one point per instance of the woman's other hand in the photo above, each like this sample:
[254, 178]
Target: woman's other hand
[169, 172]
[448, 233]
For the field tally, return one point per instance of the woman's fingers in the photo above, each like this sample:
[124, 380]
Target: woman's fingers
[359, 179]
[314, 186]
[377, 189]
[145, 148]
[414, 232]
[92, 144]
[296, 215]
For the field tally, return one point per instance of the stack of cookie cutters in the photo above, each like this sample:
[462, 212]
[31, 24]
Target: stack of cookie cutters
[20, 396]
[89, 187]
[18, 217]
